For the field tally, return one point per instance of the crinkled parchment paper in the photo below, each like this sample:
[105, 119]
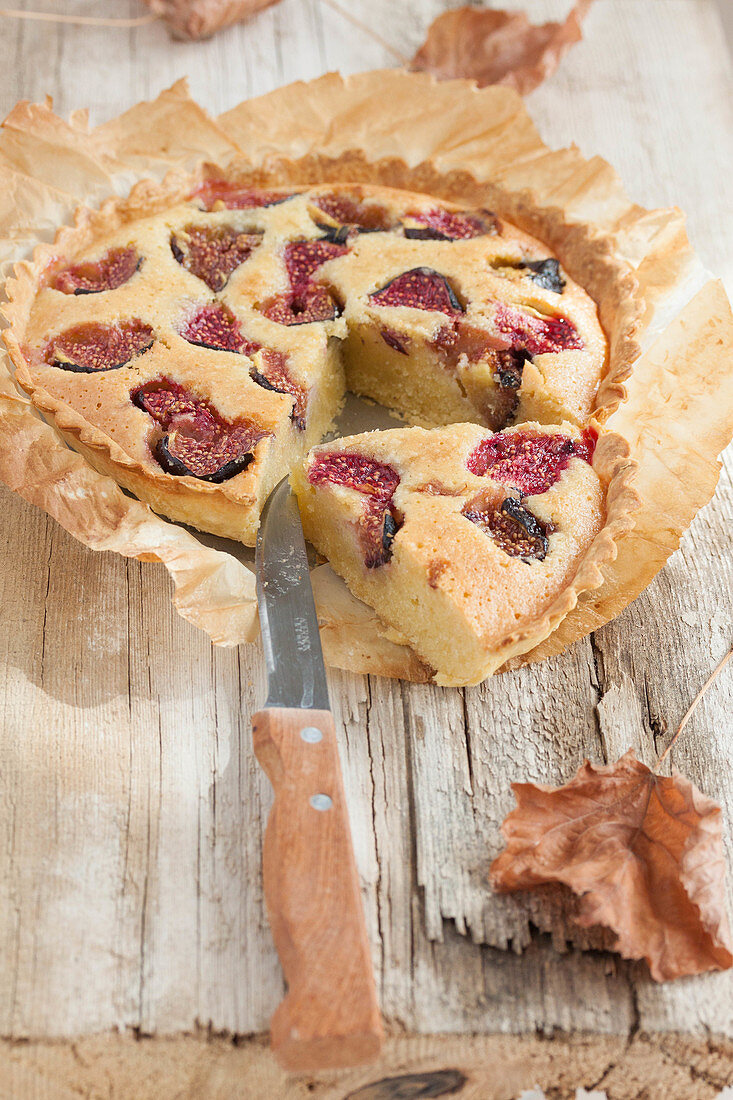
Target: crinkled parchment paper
[657, 304]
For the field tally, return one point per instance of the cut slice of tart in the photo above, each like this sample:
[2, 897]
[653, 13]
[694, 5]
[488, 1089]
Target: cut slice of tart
[460, 330]
[472, 545]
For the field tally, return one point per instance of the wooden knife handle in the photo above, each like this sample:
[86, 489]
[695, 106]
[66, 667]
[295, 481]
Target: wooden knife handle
[329, 1017]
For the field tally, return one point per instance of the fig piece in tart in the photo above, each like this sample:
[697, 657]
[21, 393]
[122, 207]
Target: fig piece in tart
[219, 194]
[441, 224]
[197, 440]
[306, 300]
[212, 253]
[94, 346]
[93, 276]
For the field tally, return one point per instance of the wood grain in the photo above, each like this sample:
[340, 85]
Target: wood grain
[494, 1067]
[330, 1017]
[131, 805]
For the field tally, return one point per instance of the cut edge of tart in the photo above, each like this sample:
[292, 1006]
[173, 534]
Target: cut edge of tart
[589, 253]
[231, 505]
[471, 546]
[224, 497]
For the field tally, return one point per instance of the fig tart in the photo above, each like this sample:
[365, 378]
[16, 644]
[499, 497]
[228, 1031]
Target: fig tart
[195, 340]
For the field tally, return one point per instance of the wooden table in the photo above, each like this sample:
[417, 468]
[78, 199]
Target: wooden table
[131, 807]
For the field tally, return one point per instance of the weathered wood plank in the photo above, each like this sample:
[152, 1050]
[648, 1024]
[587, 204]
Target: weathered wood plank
[131, 807]
[480, 1068]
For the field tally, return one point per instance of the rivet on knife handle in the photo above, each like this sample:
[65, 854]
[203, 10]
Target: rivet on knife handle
[329, 1017]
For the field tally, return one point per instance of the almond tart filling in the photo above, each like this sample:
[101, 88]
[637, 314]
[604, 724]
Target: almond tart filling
[197, 349]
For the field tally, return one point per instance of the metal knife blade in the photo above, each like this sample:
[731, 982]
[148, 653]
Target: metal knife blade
[296, 675]
[359, 415]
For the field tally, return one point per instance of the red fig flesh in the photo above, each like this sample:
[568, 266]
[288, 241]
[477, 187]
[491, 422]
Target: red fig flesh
[377, 482]
[274, 375]
[420, 288]
[198, 441]
[311, 303]
[93, 346]
[537, 335]
[114, 269]
[212, 253]
[527, 462]
[303, 258]
[446, 225]
[213, 325]
[306, 301]
[221, 195]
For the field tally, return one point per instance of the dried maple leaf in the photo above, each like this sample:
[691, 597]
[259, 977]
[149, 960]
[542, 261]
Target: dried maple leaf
[202, 18]
[644, 852]
[498, 47]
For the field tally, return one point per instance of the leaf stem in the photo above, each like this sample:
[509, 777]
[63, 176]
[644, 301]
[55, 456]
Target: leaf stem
[368, 30]
[78, 20]
[713, 676]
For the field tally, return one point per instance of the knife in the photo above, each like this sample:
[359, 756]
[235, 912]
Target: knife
[329, 1017]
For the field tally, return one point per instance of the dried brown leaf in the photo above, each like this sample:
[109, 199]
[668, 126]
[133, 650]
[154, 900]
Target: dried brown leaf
[202, 18]
[643, 851]
[498, 47]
